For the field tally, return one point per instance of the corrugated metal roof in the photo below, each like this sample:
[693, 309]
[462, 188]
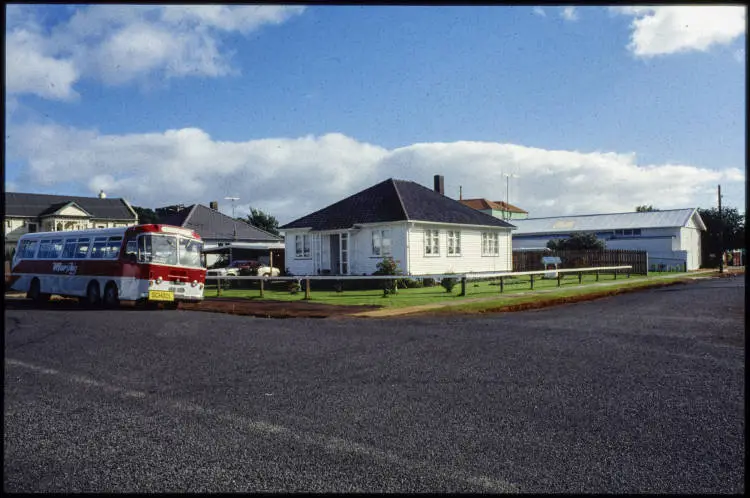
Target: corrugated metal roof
[599, 222]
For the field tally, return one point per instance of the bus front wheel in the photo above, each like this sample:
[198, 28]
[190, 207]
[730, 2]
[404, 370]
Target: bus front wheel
[35, 292]
[111, 296]
[92, 294]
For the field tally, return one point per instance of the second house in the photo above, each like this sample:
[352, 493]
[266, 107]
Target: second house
[422, 229]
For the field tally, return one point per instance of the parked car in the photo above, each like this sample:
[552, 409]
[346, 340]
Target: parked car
[251, 265]
[222, 272]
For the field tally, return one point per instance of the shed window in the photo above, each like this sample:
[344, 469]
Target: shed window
[432, 242]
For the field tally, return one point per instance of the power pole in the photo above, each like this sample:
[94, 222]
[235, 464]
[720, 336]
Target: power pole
[721, 236]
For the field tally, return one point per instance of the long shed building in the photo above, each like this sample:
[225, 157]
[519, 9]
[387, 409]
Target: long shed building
[670, 237]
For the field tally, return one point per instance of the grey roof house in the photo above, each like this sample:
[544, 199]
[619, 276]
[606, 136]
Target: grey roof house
[424, 230]
[26, 212]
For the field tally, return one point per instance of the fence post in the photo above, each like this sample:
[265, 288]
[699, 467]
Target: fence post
[559, 275]
[501, 285]
[597, 275]
[307, 288]
[463, 286]
[532, 281]
[580, 277]
[615, 272]
[218, 287]
[261, 288]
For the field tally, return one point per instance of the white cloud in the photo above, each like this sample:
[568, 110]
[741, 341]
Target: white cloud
[671, 29]
[118, 44]
[569, 14]
[291, 177]
[540, 12]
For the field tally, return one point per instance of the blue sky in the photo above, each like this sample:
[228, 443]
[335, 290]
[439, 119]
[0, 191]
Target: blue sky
[593, 109]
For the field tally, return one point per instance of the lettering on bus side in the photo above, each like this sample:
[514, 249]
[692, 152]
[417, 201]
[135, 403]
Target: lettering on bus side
[69, 268]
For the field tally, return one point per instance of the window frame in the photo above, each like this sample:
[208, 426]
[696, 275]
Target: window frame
[302, 248]
[384, 234]
[453, 246]
[490, 244]
[432, 242]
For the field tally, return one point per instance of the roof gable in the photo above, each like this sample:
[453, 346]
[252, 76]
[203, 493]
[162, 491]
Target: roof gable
[36, 205]
[65, 209]
[393, 200]
[212, 224]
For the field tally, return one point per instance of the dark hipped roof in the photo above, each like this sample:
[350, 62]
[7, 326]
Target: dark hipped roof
[35, 205]
[394, 200]
[211, 224]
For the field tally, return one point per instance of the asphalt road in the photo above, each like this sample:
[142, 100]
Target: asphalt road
[641, 392]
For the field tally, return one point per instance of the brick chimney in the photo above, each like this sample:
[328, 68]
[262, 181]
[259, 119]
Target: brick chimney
[439, 184]
[214, 205]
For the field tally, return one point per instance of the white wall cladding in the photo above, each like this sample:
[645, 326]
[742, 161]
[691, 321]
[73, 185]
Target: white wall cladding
[471, 259]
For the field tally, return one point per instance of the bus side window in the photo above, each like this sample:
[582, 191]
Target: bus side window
[69, 251]
[55, 249]
[131, 250]
[28, 249]
[44, 249]
[99, 248]
[83, 248]
[113, 247]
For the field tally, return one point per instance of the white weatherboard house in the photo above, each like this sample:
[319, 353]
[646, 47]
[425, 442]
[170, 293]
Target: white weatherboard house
[422, 229]
[670, 237]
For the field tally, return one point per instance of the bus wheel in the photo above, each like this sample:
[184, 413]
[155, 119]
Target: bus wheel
[35, 292]
[111, 296]
[92, 294]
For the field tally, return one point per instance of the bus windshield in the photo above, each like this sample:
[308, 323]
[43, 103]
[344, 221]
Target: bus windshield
[169, 250]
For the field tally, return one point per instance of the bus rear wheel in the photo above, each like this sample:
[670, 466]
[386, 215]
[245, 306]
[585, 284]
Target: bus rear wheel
[92, 294]
[35, 292]
[111, 296]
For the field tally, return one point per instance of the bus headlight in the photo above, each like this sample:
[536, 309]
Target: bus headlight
[195, 282]
[159, 280]
[150, 283]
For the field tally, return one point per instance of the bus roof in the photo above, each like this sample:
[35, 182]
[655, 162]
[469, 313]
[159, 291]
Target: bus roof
[109, 232]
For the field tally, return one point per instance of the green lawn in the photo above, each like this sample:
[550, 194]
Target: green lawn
[437, 294]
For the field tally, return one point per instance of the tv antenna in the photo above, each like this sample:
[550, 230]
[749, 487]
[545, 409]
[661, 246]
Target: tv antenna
[232, 199]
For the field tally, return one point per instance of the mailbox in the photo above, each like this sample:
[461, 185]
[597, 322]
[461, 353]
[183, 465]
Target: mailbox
[550, 264]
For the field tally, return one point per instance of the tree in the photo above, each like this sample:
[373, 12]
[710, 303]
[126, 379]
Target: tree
[731, 225]
[264, 221]
[146, 215]
[645, 208]
[577, 242]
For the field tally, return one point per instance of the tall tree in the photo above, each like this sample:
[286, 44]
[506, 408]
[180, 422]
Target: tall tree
[731, 224]
[263, 220]
[146, 215]
[578, 241]
[645, 208]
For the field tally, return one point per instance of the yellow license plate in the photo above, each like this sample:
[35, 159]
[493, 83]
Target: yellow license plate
[160, 295]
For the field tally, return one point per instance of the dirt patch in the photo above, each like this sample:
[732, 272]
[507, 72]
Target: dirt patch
[274, 309]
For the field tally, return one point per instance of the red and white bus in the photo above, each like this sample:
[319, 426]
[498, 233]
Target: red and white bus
[106, 265]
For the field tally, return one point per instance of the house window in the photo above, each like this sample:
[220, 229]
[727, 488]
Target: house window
[490, 244]
[454, 243]
[32, 227]
[8, 223]
[302, 246]
[432, 242]
[381, 242]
